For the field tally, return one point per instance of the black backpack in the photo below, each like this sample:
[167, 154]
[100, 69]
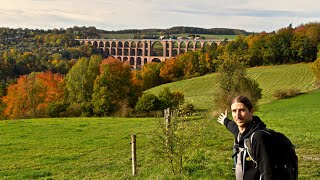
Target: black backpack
[285, 160]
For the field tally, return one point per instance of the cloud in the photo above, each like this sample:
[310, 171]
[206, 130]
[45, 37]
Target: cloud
[249, 15]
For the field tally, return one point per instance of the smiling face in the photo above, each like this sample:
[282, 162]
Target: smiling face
[242, 116]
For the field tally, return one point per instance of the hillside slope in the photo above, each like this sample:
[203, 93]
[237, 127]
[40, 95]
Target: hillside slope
[200, 90]
[99, 147]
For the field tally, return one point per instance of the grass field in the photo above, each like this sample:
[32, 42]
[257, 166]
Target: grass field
[99, 148]
[200, 90]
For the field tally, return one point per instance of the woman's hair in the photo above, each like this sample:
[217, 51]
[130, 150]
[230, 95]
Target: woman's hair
[244, 100]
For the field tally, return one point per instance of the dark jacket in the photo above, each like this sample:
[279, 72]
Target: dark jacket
[261, 150]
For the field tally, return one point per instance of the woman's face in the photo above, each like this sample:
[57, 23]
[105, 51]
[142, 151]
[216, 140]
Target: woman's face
[241, 114]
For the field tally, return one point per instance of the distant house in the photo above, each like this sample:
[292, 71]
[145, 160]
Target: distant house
[179, 37]
[161, 37]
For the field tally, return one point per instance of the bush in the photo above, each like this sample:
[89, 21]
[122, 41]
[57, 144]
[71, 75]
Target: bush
[56, 109]
[188, 109]
[286, 93]
[147, 102]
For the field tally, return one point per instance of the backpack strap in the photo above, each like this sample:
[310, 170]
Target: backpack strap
[248, 145]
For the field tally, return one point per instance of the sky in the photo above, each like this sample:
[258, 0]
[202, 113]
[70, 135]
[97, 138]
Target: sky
[248, 15]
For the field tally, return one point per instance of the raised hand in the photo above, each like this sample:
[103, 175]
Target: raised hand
[222, 116]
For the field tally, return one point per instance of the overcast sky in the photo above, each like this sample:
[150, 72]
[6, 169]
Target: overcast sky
[249, 15]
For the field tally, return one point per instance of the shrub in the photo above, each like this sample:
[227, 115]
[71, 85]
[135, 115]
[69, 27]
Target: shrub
[170, 99]
[188, 109]
[56, 109]
[286, 93]
[147, 103]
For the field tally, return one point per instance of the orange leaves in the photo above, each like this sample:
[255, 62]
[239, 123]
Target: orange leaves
[170, 70]
[32, 94]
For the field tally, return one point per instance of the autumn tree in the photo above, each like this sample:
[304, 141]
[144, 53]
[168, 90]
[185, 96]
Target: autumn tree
[150, 75]
[112, 87]
[80, 82]
[2, 93]
[190, 64]
[316, 70]
[304, 44]
[256, 47]
[171, 70]
[32, 94]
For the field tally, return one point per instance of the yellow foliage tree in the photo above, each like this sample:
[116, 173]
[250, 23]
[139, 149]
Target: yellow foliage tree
[316, 70]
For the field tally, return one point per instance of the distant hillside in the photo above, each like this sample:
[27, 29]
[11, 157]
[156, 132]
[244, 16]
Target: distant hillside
[173, 33]
[182, 30]
[200, 90]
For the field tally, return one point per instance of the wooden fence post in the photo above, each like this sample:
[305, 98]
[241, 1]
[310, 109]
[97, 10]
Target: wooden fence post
[133, 153]
[167, 117]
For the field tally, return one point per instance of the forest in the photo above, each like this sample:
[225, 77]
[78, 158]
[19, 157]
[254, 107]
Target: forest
[45, 73]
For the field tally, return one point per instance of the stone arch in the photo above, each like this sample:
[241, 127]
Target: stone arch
[101, 44]
[190, 45]
[107, 52]
[120, 44]
[175, 44]
[138, 65]
[113, 51]
[156, 60]
[133, 44]
[145, 61]
[107, 44]
[126, 52]
[206, 44]
[140, 44]
[126, 44]
[139, 53]
[183, 44]
[174, 52]
[198, 45]
[132, 61]
[95, 44]
[125, 59]
[132, 52]
[156, 49]
[146, 51]
[113, 44]
[119, 53]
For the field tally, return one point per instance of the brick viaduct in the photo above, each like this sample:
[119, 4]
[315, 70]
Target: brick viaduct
[141, 51]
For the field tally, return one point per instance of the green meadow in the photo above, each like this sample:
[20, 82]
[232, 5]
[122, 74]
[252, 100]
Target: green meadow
[99, 148]
[200, 90]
